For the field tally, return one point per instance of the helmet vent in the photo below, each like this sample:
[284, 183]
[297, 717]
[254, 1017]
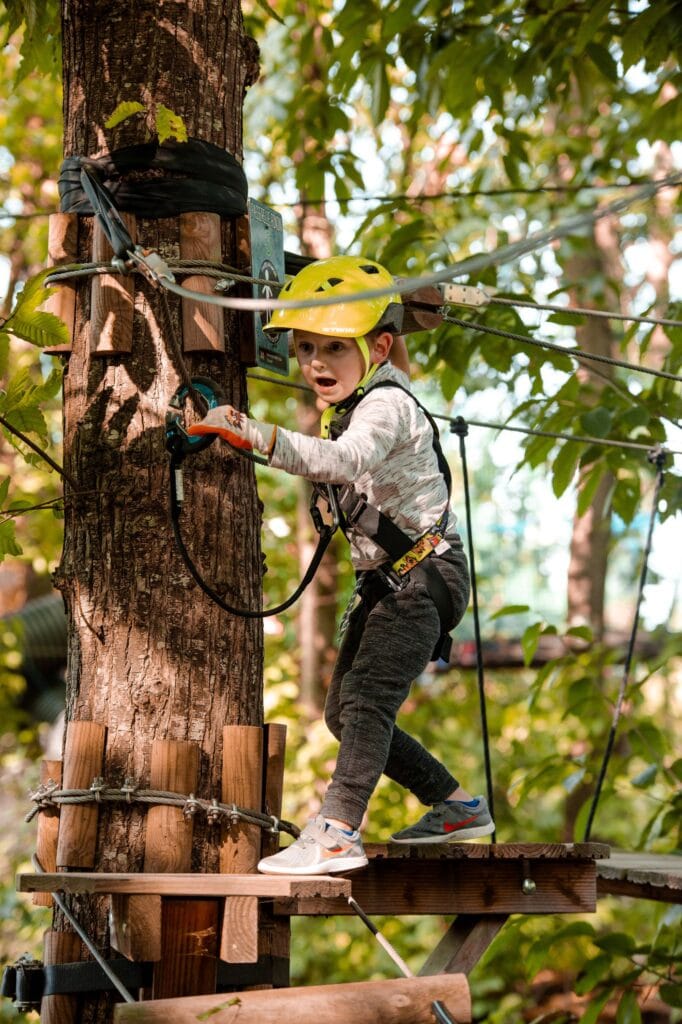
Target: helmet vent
[370, 269]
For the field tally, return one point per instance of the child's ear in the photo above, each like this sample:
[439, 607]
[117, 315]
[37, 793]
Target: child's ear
[382, 346]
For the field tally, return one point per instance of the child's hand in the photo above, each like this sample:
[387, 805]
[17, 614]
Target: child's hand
[237, 429]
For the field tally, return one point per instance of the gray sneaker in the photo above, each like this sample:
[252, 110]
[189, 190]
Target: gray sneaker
[449, 823]
[320, 849]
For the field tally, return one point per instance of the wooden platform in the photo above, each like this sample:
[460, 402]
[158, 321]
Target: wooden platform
[272, 886]
[468, 878]
[649, 876]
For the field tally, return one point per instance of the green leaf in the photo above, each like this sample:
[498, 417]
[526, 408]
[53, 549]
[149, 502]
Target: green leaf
[567, 318]
[509, 609]
[122, 112]
[596, 422]
[39, 329]
[617, 943]
[264, 6]
[582, 632]
[645, 777]
[628, 1011]
[593, 1011]
[564, 466]
[8, 541]
[529, 641]
[589, 25]
[671, 994]
[589, 485]
[603, 60]
[169, 125]
[594, 972]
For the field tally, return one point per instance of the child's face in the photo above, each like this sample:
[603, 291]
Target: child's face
[333, 367]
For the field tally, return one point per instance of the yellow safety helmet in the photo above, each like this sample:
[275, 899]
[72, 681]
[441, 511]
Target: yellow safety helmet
[342, 276]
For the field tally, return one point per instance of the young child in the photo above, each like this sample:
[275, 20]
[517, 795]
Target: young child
[379, 446]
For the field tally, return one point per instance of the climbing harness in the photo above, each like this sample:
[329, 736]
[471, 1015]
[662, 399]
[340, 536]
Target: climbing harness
[180, 444]
[407, 558]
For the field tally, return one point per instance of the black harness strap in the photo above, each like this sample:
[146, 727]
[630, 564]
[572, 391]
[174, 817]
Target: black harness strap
[358, 514]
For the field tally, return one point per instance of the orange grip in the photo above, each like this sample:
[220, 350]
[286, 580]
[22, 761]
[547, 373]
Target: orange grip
[227, 435]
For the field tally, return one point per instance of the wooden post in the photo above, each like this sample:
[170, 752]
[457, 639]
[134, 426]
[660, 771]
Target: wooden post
[62, 247]
[83, 753]
[203, 328]
[240, 848]
[463, 945]
[60, 948]
[111, 299]
[48, 829]
[398, 1001]
[183, 937]
[274, 934]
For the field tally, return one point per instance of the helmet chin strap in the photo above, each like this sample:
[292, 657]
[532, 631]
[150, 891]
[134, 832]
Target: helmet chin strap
[370, 369]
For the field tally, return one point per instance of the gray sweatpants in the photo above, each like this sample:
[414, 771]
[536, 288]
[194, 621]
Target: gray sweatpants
[389, 641]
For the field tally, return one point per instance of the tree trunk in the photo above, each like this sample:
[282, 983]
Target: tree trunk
[150, 657]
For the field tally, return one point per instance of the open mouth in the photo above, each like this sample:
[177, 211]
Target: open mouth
[325, 382]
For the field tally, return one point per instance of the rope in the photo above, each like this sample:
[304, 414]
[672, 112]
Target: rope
[579, 354]
[51, 795]
[659, 460]
[468, 266]
[584, 311]
[207, 268]
[86, 940]
[459, 426]
[581, 438]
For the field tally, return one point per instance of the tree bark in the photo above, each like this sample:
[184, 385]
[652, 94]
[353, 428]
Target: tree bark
[149, 655]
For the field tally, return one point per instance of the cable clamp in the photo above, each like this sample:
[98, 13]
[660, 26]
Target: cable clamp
[191, 806]
[224, 285]
[274, 828]
[213, 813]
[466, 295]
[129, 788]
[235, 815]
[152, 265]
[657, 456]
[97, 787]
[459, 426]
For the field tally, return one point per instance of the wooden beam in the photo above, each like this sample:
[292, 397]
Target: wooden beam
[112, 298]
[60, 948]
[463, 944]
[274, 931]
[398, 1001]
[403, 885]
[269, 886]
[62, 247]
[648, 876]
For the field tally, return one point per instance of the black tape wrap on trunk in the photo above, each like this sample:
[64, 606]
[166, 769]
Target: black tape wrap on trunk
[160, 180]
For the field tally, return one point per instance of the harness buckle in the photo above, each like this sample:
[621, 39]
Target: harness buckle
[391, 578]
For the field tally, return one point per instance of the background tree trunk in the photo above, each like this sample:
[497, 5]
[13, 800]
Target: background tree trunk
[149, 655]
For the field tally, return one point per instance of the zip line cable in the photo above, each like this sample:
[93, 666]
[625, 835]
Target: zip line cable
[579, 354]
[498, 300]
[156, 268]
[558, 435]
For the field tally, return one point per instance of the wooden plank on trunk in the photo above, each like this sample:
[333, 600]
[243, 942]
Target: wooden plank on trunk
[242, 784]
[83, 753]
[112, 299]
[168, 848]
[267, 886]
[135, 926]
[397, 1001]
[202, 324]
[48, 828]
[274, 933]
[62, 247]
[189, 942]
[463, 945]
[60, 948]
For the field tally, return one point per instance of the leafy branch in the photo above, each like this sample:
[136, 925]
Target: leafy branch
[168, 124]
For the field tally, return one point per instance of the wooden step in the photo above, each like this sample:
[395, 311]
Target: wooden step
[277, 886]
[397, 1001]
[649, 876]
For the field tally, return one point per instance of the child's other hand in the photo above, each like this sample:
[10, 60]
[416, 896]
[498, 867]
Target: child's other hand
[236, 428]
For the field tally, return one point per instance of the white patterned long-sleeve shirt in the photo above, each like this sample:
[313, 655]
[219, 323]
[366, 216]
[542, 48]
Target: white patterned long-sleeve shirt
[386, 453]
